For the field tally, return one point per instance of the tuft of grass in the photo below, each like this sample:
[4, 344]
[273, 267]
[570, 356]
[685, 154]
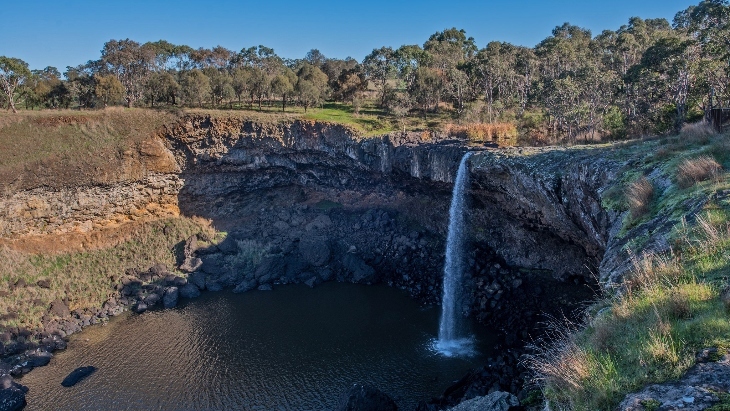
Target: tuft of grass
[699, 132]
[695, 170]
[639, 195]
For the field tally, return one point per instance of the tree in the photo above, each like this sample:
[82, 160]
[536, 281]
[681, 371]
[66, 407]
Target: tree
[283, 85]
[13, 74]
[311, 85]
[379, 66]
[240, 81]
[220, 85]
[80, 85]
[162, 86]
[131, 63]
[195, 86]
[108, 89]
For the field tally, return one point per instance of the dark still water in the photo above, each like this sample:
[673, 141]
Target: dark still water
[293, 348]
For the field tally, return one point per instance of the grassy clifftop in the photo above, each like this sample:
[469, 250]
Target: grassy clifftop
[675, 301]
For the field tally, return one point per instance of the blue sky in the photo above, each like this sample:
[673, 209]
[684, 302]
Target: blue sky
[72, 32]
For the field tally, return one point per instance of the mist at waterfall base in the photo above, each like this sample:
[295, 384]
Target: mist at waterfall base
[453, 338]
[293, 348]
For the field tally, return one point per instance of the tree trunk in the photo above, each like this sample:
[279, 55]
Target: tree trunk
[283, 103]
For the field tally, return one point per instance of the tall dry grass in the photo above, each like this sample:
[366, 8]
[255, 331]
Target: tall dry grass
[500, 133]
[694, 170]
[699, 132]
[639, 195]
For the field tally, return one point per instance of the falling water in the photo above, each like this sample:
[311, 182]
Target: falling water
[451, 340]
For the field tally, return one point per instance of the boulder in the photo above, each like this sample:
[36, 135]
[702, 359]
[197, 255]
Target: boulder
[191, 264]
[152, 299]
[245, 285]
[271, 267]
[139, 307]
[169, 299]
[190, 247]
[198, 279]
[314, 249]
[43, 283]
[265, 287]
[12, 394]
[59, 309]
[212, 284]
[39, 358]
[189, 291]
[77, 375]
[365, 398]
[212, 263]
[159, 270]
[359, 270]
[496, 401]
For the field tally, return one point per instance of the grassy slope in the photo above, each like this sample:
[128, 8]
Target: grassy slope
[57, 147]
[87, 278]
[669, 308]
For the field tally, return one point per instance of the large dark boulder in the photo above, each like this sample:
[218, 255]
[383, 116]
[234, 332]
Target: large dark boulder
[198, 279]
[365, 398]
[169, 300]
[245, 285]
[189, 291]
[12, 394]
[77, 375]
[314, 249]
[271, 268]
[358, 269]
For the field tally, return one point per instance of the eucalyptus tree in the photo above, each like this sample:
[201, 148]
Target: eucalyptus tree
[131, 63]
[80, 84]
[195, 86]
[379, 67]
[283, 85]
[39, 87]
[450, 52]
[311, 85]
[14, 72]
[708, 24]
[108, 89]
[240, 81]
[162, 86]
[666, 76]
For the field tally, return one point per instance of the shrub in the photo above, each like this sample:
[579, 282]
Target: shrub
[639, 195]
[692, 171]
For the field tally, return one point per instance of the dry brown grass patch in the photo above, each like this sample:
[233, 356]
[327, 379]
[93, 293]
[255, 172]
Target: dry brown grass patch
[501, 133]
[639, 195]
[697, 132]
[695, 170]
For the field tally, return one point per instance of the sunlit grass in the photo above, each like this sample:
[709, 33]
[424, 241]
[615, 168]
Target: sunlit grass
[669, 307]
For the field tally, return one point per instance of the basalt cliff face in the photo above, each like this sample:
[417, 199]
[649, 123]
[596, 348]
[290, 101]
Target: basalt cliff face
[315, 203]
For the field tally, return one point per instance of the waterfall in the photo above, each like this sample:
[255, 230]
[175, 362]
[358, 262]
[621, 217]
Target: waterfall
[451, 340]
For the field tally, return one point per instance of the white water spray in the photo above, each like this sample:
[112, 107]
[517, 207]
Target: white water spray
[451, 342]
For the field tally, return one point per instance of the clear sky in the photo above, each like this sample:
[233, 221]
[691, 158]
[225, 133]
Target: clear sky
[68, 33]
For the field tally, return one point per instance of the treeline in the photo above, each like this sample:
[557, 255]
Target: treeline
[647, 77]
